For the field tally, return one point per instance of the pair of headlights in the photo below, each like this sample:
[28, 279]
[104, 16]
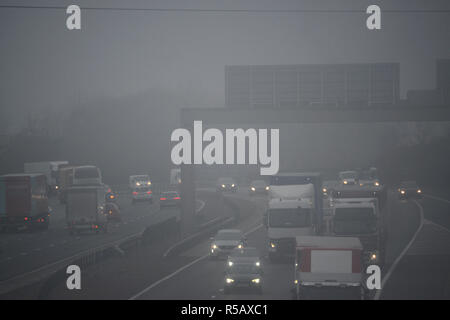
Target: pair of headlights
[230, 280]
[257, 263]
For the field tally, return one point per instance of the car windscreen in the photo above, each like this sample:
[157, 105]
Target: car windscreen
[259, 183]
[86, 173]
[244, 268]
[289, 218]
[348, 175]
[354, 221]
[226, 181]
[228, 236]
[245, 252]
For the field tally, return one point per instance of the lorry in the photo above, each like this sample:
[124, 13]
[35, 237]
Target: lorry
[64, 181]
[85, 209]
[328, 268]
[295, 208]
[175, 176]
[23, 202]
[361, 218]
[47, 168]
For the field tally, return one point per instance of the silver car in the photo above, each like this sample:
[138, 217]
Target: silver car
[225, 241]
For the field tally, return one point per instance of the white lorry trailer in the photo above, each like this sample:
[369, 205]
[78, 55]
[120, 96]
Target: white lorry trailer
[85, 209]
[295, 209]
[328, 268]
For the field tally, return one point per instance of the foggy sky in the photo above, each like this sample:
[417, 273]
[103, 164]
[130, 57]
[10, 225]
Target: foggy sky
[120, 54]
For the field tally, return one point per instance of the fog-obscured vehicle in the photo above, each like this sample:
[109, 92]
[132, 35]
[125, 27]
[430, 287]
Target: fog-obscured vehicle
[328, 268]
[85, 209]
[361, 218]
[86, 175]
[175, 176]
[64, 181]
[258, 187]
[348, 177]
[225, 241]
[409, 189]
[23, 202]
[169, 199]
[244, 255]
[141, 180]
[369, 178]
[226, 185]
[47, 168]
[142, 193]
[243, 275]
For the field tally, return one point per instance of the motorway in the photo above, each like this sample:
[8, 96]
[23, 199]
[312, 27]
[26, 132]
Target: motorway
[417, 267]
[418, 261]
[27, 252]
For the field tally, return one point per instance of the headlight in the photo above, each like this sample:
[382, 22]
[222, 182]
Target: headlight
[345, 181]
[419, 191]
[253, 188]
[258, 264]
[267, 188]
[138, 184]
[149, 183]
[295, 281]
[377, 184]
[272, 245]
[402, 191]
[232, 185]
[240, 246]
[56, 187]
[229, 280]
[373, 257]
[257, 280]
[324, 190]
[230, 263]
[223, 186]
[213, 246]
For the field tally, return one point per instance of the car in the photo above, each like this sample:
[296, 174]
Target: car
[225, 241]
[369, 178]
[169, 199]
[226, 185]
[409, 189]
[144, 193]
[244, 255]
[348, 177]
[258, 186]
[243, 275]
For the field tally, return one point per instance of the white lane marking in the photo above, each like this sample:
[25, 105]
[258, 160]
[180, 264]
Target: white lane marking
[167, 277]
[436, 225]
[202, 205]
[181, 269]
[436, 198]
[400, 256]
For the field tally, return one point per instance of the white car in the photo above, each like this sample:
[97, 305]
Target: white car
[225, 241]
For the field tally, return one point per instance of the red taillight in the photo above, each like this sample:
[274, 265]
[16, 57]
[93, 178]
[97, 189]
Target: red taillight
[162, 199]
[149, 192]
[135, 193]
[26, 218]
[176, 198]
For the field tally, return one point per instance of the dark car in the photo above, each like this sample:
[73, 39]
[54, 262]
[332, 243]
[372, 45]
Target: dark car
[409, 189]
[169, 199]
[226, 185]
[243, 276]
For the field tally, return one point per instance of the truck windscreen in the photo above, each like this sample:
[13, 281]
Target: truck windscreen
[348, 221]
[289, 218]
